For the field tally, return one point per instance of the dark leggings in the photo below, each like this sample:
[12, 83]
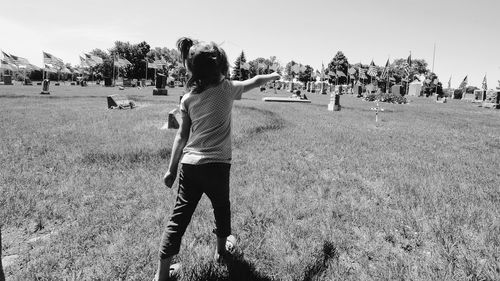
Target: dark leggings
[194, 180]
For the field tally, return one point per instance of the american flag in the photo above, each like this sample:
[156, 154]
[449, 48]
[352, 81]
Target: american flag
[4, 64]
[19, 60]
[153, 65]
[385, 72]
[8, 58]
[50, 59]
[407, 66]
[362, 74]
[464, 83]
[245, 65]
[97, 60]
[485, 84]
[372, 71]
[340, 73]
[121, 62]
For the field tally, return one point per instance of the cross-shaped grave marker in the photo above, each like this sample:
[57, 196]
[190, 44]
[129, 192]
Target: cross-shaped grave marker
[376, 109]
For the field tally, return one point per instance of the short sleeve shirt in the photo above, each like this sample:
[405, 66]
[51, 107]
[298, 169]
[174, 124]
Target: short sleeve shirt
[210, 113]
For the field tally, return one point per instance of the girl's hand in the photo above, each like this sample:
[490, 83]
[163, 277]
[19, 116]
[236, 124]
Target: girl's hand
[275, 76]
[169, 179]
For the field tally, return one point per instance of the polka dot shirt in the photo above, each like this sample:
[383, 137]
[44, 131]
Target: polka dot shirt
[210, 114]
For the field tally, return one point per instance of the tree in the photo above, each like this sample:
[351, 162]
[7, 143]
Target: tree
[240, 73]
[339, 63]
[306, 76]
[135, 54]
[106, 68]
[255, 69]
[418, 66]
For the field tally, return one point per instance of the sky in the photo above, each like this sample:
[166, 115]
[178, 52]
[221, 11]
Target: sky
[465, 33]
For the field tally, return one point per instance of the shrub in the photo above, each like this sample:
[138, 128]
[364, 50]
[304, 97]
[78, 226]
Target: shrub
[386, 97]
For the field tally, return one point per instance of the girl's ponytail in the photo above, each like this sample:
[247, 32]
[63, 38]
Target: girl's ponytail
[183, 45]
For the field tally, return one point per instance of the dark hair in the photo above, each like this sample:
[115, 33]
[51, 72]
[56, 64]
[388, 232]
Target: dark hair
[205, 62]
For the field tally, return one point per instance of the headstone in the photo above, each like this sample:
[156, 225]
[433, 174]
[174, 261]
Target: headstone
[127, 82]
[7, 80]
[108, 82]
[334, 104]
[468, 96]
[397, 89]
[492, 99]
[27, 82]
[441, 99]
[119, 102]
[480, 95]
[45, 87]
[357, 90]
[370, 88]
[161, 81]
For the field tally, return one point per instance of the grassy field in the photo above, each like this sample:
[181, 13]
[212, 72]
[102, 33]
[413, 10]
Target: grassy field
[316, 195]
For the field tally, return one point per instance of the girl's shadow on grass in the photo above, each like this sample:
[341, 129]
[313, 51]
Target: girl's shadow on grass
[238, 269]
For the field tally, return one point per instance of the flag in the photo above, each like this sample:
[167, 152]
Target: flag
[372, 71]
[93, 59]
[4, 64]
[50, 59]
[84, 63]
[385, 71]
[340, 73]
[88, 61]
[362, 74]
[19, 60]
[120, 62]
[407, 65]
[8, 58]
[49, 68]
[65, 70]
[153, 65]
[160, 61]
[245, 65]
[32, 67]
[464, 83]
[485, 84]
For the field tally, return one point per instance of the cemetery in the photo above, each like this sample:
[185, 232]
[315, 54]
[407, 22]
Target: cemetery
[341, 168]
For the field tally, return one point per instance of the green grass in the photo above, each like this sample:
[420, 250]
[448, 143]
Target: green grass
[316, 195]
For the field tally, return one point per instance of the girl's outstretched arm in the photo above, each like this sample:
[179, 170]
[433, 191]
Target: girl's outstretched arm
[180, 142]
[259, 80]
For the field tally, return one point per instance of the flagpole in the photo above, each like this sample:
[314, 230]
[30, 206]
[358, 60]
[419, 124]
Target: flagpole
[114, 82]
[433, 57]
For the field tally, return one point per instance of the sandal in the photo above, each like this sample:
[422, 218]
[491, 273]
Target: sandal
[230, 248]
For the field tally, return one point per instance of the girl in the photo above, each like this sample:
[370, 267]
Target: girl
[203, 146]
